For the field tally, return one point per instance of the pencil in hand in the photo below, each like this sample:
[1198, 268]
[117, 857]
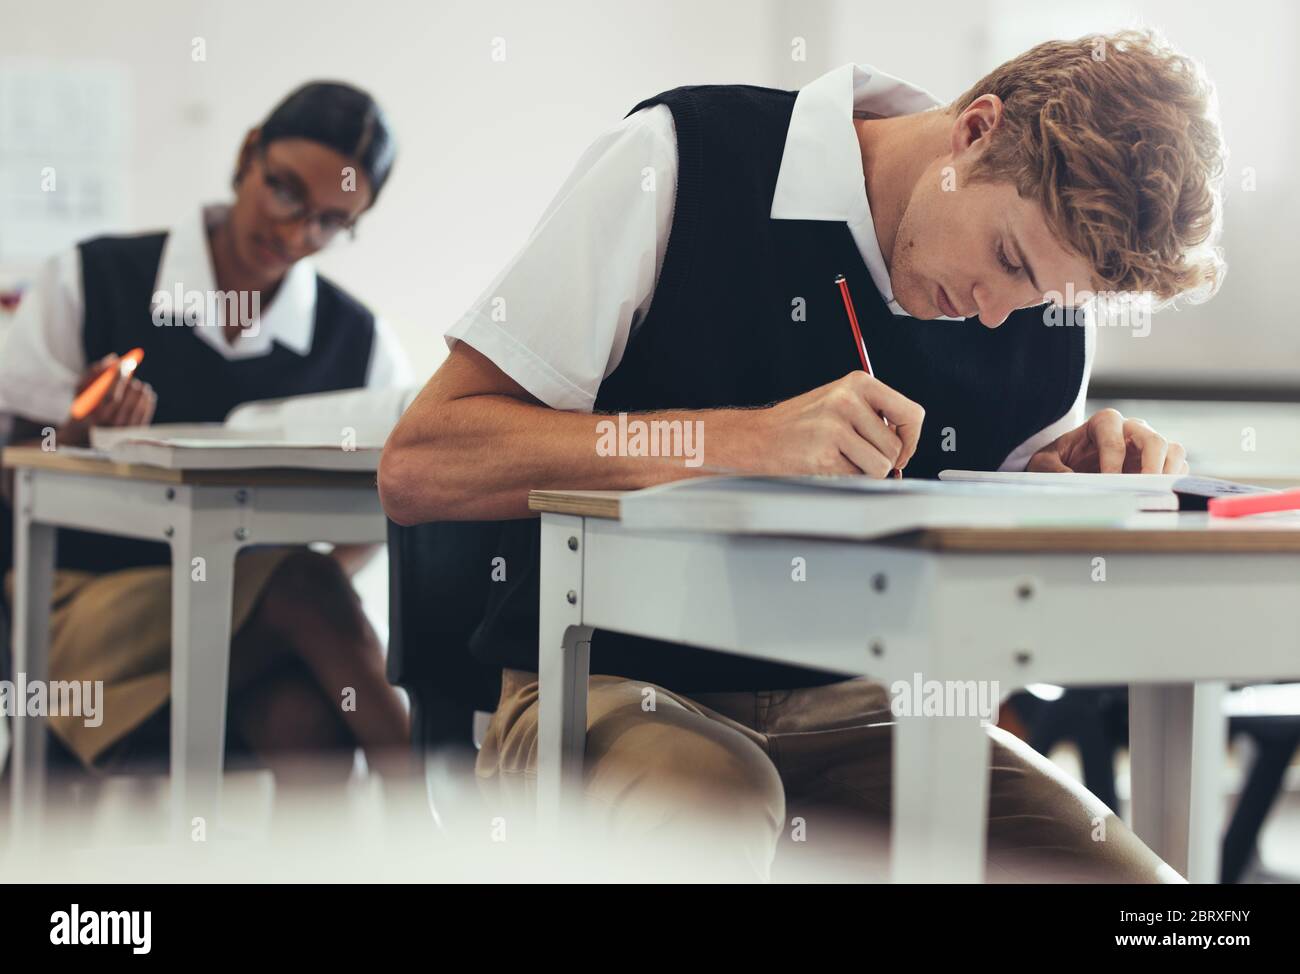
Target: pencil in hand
[858, 342]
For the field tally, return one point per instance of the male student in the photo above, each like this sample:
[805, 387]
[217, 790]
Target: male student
[687, 270]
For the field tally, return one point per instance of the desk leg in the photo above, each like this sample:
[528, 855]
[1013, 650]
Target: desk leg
[33, 582]
[940, 800]
[564, 646]
[202, 600]
[1177, 737]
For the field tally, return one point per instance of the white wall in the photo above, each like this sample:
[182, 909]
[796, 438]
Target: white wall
[484, 144]
[1247, 333]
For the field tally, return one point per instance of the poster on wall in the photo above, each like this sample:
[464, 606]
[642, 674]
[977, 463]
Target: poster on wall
[63, 156]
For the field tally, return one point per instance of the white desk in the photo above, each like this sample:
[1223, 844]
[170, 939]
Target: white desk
[1187, 604]
[208, 514]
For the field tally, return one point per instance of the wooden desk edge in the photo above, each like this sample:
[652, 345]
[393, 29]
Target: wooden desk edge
[583, 503]
[604, 504]
[34, 458]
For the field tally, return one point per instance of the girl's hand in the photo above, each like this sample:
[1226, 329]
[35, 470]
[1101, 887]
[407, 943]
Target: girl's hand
[129, 402]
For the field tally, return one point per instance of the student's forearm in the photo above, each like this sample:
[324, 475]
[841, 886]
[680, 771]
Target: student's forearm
[476, 458]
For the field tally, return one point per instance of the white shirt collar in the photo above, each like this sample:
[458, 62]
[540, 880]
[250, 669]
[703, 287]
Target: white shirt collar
[186, 266]
[821, 166]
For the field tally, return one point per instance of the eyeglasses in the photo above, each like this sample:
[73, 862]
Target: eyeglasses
[286, 202]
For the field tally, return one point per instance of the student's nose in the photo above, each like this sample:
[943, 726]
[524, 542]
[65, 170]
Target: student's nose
[294, 237]
[994, 306]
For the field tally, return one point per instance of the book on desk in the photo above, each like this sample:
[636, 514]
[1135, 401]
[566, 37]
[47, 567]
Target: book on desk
[859, 506]
[184, 446]
[342, 430]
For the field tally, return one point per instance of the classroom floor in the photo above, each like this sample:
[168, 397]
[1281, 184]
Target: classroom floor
[114, 830]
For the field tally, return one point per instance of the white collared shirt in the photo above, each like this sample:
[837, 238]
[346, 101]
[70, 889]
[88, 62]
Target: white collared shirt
[821, 166]
[558, 318]
[42, 355]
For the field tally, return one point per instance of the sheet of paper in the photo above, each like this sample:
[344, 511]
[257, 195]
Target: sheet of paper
[1135, 482]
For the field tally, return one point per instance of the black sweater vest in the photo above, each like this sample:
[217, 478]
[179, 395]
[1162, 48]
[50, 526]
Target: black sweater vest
[195, 383]
[722, 331]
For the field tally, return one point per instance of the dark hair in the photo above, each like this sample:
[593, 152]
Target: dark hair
[341, 117]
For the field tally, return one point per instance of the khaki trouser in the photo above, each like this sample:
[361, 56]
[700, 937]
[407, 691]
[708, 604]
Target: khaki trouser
[781, 765]
[116, 627]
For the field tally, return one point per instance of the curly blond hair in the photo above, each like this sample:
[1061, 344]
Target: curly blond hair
[1117, 138]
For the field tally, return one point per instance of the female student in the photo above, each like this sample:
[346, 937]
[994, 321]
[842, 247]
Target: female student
[254, 322]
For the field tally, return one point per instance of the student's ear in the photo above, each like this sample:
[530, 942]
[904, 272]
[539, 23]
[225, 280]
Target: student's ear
[245, 158]
[973, 126]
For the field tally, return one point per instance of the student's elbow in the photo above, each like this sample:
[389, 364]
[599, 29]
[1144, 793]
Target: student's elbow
[395, 485]
[408, 485]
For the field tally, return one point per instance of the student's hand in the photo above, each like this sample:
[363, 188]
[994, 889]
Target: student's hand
[1109, 443]
[838, 428]
[129, 402]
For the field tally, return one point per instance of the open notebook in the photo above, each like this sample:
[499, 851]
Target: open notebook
[860, 507]
[1160, 492]
[324, 431]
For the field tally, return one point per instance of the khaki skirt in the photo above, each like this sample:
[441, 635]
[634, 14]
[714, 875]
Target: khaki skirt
[116, 627]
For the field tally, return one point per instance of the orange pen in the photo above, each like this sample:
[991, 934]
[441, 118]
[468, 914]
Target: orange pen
[91, 396]
[857, 337]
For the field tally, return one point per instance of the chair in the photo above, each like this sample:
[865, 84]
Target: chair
[436, 600]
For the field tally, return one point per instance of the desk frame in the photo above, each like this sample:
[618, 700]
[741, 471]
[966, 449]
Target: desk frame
[1173, 625]
[211, 515]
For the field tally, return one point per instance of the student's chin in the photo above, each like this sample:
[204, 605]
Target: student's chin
[916, 309]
